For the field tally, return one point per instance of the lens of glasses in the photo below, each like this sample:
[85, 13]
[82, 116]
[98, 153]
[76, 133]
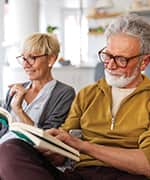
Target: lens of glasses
[105, 57]
[30, 60]
[20, 59]
[119, 60]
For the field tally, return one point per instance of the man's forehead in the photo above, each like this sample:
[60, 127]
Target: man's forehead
[124, 44]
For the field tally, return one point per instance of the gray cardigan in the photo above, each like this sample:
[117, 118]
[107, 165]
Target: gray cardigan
[56, 108]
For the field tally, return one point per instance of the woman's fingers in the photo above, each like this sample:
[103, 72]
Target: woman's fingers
[17, 88]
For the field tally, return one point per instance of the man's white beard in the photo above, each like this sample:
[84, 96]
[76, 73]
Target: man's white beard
[120, 81]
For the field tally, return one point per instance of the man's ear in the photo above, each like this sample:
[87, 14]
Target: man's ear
[145, 62]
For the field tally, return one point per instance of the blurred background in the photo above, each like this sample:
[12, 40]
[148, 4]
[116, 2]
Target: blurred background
[79, 26]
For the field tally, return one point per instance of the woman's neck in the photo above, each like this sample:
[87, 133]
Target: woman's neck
[38, 84]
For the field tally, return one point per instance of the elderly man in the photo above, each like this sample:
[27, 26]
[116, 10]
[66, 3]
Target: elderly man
[113, 114]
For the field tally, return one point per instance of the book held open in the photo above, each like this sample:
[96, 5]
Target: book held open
[38, 137]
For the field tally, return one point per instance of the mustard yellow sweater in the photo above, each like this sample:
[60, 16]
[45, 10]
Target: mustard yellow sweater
[91, 111]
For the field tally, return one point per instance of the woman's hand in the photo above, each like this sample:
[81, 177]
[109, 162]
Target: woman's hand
[18, 92]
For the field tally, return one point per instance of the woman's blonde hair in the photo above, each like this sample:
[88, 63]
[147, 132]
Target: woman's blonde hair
[43, 43]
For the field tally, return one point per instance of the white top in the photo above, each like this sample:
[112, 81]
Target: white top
[118, 94]
[35, 108]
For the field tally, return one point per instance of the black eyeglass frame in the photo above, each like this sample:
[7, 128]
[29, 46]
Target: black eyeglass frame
[31, 57]
[114, 58]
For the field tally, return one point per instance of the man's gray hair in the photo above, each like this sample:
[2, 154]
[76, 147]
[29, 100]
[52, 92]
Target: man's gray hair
[133, 25]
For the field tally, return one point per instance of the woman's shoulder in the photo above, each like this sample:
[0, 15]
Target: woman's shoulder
[64, 89]
[25, 84]
[64, 86]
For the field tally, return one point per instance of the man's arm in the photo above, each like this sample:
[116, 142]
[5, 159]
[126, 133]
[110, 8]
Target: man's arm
[130, 160]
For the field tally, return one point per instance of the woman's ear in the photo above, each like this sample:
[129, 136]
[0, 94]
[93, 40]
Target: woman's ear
[145, 62]
[52, 59]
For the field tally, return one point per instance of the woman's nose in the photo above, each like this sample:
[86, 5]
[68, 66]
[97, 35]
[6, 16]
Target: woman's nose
[26, 63]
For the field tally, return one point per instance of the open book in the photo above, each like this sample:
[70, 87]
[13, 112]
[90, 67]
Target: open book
[38, 137]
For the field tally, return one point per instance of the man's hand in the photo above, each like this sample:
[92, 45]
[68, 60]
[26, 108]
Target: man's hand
[67, 138]
[55, 158]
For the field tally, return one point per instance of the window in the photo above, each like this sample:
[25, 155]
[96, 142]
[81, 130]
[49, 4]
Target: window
[75, 36]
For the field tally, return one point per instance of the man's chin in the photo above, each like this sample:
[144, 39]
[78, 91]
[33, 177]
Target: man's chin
[115, 83]
[118, 81]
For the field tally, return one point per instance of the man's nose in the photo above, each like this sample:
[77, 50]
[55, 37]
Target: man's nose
[111, 64]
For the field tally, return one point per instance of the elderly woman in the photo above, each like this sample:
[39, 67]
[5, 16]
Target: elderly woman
[42, 101]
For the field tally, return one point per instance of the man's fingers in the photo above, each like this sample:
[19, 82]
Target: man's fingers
[53, 131]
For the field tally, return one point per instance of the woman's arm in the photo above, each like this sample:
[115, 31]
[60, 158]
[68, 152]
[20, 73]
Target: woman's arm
[57, 107]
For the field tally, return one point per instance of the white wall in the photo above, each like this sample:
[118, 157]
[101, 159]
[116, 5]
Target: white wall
[50, 13]
[23, 19]
[1, 47]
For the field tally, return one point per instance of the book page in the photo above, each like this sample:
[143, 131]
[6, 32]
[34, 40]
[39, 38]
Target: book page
[6, 114]
[35, 140]
[43, 134]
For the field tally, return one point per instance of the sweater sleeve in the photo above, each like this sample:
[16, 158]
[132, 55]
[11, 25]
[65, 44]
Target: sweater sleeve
[144, 143]
[73, 119]
[56, 111]
[78, 108]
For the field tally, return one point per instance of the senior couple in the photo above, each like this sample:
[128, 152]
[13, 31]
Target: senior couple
[113, 113]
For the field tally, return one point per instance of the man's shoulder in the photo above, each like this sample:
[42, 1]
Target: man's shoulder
[145, 85]
[94, 87]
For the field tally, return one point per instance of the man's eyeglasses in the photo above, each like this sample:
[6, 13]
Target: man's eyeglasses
[30, 59]
[120, 61]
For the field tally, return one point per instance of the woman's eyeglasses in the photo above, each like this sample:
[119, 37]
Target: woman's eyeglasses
[30, 59]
